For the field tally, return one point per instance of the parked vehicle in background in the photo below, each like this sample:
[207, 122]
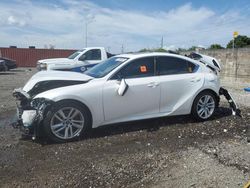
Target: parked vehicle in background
[3, 67]
[7, 64]
[79, 61]
[123, 88]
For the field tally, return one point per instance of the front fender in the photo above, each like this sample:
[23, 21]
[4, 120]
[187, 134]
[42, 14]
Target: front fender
[91, 99]
[56, 97]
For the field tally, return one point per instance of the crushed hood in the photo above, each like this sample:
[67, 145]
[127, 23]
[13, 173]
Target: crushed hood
[55, 76]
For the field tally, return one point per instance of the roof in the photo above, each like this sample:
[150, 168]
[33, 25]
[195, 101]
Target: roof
[94, 47]
[148, 54]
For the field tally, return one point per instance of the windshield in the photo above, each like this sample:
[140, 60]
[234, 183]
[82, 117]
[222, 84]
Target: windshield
[74, 55]
[105, 67]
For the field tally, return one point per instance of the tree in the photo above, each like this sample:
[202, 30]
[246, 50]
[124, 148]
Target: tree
[51, 46]
[215, 46]
[181, 50]
[144, 50]
[153, 50]
[159, 50]
[191, 48]
[239, 42]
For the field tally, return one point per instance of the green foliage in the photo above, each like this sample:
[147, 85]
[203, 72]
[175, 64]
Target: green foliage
[216, 46]
[181, 50]
[191, 48]
[159, 50]
[144, 50]
[239, 42]
[153, 50]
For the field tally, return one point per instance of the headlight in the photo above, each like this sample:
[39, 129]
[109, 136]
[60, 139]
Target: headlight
[35, 103]
[39, 103]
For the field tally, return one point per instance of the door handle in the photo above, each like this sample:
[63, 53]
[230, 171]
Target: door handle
[153, 84]
[195, 79]
[156, 83]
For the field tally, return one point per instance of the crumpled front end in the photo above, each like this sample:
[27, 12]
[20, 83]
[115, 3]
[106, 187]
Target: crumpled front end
[30, 107]
[29, 112]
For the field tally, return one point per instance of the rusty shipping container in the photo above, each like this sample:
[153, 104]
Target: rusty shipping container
[27, 57]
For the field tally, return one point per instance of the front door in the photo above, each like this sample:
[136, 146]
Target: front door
[93, 56]
[142, 96]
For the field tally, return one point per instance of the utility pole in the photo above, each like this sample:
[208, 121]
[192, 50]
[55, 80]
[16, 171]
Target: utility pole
[89, 19]
[86, 34]
[235, 53]
[233, 44]
[108, 49]
[122, 49]
[161, 42]
[235, 35]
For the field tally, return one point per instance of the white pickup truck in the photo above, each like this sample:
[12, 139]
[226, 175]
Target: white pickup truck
[79, 61]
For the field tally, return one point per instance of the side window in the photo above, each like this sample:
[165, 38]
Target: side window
[174, 65]
[94, 54]
[143, 67]
[191, 67]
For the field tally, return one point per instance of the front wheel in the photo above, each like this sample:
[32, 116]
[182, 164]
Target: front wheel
[204, 106]
[6, 68]
[65, 121]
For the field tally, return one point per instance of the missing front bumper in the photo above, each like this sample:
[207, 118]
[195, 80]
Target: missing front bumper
[30, 113]
[26, 122]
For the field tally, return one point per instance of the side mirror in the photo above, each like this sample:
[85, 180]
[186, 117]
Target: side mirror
[119, 76]
[123, 87]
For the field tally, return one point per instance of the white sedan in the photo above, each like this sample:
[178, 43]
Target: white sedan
[65, 105]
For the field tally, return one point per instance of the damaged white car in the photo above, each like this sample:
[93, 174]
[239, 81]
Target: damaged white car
[65, 105]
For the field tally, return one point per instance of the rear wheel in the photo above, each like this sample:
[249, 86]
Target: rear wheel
[66, 121]
[204, 106]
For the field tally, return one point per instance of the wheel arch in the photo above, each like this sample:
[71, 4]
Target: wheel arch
[79, 103]
[217, 97]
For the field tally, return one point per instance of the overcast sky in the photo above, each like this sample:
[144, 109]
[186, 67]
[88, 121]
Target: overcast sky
[113, 23]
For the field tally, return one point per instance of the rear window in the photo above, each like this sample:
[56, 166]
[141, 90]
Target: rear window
[174, 65]
[94, 54]
[195, 56]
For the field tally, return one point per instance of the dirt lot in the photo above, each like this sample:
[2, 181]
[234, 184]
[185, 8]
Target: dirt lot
[165, 152]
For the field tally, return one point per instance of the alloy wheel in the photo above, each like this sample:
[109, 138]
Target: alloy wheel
[67, 123]
[205, 106]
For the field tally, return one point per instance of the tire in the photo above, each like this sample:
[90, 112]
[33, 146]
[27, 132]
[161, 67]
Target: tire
[204, 106]
[5, 68]
[66, 121]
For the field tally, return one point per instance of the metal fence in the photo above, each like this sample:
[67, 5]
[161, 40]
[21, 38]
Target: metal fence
[27, 57]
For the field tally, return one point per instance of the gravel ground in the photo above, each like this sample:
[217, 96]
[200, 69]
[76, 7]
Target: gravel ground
[9, 81]
[164, 152]
[237, 90]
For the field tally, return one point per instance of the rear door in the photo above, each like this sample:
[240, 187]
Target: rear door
[179, 81]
